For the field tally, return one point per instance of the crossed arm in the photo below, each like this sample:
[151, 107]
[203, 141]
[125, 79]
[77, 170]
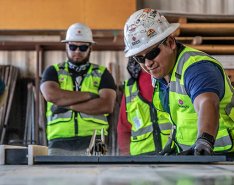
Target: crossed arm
[79, 101]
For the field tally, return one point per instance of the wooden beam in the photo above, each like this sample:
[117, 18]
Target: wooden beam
[200, 29]
[215, 49]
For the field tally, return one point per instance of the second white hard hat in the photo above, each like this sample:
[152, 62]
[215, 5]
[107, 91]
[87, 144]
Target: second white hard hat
[143, 29]
[79, 32]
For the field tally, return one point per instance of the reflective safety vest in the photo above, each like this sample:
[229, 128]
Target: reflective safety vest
[182, 109]
[150, 127]
[70, 123]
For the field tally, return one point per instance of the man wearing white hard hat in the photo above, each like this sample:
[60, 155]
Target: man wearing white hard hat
[79, 96]
[196, 91]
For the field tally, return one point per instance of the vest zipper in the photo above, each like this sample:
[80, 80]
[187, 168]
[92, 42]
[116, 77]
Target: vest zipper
[156, 129]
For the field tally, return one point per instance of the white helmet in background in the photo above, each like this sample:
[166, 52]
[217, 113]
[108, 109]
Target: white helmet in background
[79, 33]
[143, 29]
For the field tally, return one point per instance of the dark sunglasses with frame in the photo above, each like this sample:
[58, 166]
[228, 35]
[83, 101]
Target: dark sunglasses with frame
[82, 48]
[152, 54]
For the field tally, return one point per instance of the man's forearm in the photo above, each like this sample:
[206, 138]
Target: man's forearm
[208, 115]
[93, 107]
[53, 93]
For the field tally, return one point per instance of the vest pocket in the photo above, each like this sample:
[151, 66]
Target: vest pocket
[58, 118]
[136, 138]
[186, 128]
[100, 119]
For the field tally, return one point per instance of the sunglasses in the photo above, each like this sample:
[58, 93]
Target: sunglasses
[152, 54]
[82, 48]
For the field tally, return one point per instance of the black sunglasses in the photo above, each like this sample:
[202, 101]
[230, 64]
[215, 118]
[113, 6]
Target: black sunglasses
[82, 48]
[152, 54]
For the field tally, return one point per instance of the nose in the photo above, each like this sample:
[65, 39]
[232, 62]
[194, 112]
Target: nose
[148, 63]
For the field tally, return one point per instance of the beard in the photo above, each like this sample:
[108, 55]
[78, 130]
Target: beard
[81, 62]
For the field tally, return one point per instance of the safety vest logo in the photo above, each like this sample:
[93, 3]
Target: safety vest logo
[61, 79]
[181, 104]
[95, 84]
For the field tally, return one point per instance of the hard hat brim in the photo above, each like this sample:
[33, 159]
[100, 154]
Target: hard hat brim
[65, 41]
[173, 27]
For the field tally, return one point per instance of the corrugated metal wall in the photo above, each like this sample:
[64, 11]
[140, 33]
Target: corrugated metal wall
[189, 6]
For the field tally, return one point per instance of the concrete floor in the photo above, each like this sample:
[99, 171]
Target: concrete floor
[166, 174]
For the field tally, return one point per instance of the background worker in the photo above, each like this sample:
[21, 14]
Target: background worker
[79, 96]
[141, 128]
[199, 94]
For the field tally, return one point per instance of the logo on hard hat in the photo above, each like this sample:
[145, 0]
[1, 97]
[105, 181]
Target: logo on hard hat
[78, 32]
[132, 28]
[151, 32]
[147, 10]
[135, 41]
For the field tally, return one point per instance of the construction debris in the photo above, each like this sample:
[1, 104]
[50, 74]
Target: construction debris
[97, 147]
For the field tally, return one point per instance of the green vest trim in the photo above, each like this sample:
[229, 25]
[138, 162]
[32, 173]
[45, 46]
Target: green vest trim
[72, 124]
[182, 110]
[146, 131]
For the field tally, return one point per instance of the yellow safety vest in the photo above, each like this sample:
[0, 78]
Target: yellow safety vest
[182, 110]
[72, 124]
[150, 128]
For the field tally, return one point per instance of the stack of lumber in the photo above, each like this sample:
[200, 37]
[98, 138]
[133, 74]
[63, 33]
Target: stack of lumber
[9, 75]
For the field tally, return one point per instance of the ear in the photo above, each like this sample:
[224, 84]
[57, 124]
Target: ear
[171, 42]
[91, 47]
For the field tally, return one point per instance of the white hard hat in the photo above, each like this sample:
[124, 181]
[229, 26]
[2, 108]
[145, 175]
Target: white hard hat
[79, 33]
[143, 29]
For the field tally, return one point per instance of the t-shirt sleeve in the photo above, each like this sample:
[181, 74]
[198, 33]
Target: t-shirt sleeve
[50, 74]
[204, 77]
[107, 81]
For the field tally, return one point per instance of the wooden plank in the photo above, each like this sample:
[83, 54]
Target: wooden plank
[215, 49]
[218, 29]
[35, 150]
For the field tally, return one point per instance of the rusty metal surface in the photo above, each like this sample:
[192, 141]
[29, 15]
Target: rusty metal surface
[217, 174]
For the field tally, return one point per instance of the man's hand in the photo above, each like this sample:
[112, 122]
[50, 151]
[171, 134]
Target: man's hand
[58, 109]
[203, 146]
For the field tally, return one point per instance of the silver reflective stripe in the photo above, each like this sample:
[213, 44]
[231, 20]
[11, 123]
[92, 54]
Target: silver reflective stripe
[230, 105]
[99, 117]
[165, 126]
[67, 114]
[63, 72]
[142, 131]
[131, 97]
[184, 58]
[96, 73]
[223, 141]
[177, 87]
